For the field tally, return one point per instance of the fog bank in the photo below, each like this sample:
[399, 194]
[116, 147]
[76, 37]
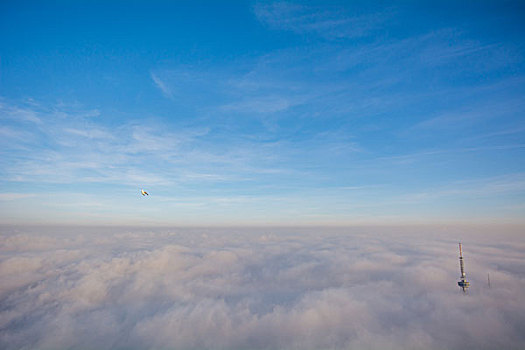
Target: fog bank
[262, 288]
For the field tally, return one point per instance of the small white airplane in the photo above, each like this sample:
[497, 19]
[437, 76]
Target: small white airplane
[144, 193]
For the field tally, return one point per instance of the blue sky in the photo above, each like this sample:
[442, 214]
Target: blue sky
[262, 112]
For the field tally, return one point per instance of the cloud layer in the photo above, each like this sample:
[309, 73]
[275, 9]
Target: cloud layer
[258, 289]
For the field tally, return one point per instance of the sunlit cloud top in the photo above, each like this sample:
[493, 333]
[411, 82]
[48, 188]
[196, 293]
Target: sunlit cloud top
[63, 288]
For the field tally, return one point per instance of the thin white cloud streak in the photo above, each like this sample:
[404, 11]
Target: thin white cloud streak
[91, 133]
[427, 155]
[329, 24]
[487, 187]
[15, 196]
[473, 116]
[269, 104]
[9, 112]
[162, 86]
[259, 289]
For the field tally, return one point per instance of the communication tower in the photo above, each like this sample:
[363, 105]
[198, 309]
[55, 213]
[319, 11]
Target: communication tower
[463, 283]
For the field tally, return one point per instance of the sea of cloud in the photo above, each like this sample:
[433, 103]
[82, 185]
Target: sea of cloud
[260, 288]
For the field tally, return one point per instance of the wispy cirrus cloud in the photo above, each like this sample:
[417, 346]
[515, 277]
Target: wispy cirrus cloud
[328, 23]
[73, 147]
[91, 133]
[162, 86]
[266, 104]
[478, 114]
[15, 196]
[15, 113]
[513, 184]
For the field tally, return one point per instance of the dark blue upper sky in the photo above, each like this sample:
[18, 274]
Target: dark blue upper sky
[262, 112]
